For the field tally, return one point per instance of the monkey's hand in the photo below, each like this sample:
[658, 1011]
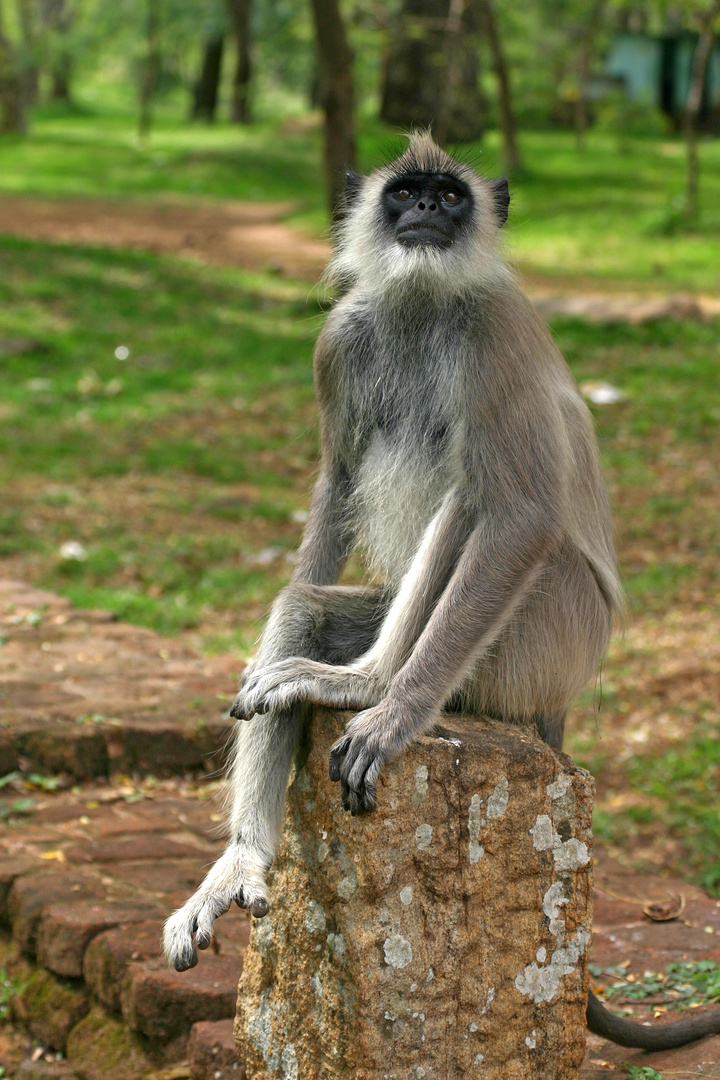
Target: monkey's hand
[239, 875]
[276, 687]
[372, 738]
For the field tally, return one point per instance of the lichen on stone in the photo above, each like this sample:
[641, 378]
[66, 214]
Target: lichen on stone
[397, 951]
[544, 836]
[498, 802]
[423, 836]
[559, 787]
[571, 855]
[315, 918]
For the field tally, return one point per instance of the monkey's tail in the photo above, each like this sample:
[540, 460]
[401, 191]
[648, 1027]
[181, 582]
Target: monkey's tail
[656, 1037]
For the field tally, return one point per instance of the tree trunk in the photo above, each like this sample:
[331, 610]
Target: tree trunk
[508, 124]
[692, 108]
[239, 12]
[58, 16]
[13, 103]
[585, 54]
[29, 71]
[432, 71]
[335, 60]
[150, 69]
[205, 94]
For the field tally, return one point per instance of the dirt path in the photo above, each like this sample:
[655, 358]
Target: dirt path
[253, 236]
[248, 235]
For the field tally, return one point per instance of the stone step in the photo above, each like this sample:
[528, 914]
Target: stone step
[86, 696]
[211, 1052]
[85, 883]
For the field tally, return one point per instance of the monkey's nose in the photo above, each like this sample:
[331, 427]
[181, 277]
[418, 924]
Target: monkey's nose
[427, 206]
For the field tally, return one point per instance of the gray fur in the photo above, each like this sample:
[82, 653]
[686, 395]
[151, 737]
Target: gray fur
[458, 454]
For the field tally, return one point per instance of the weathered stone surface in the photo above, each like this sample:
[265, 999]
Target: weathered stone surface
[51, 1007]
[211, 1052]
[108, 955]
[66, 929]
[100, 1047]
[164, 1004]
[444, 936]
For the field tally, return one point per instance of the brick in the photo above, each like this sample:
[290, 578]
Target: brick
[32, 893]
[211, 1051]
[8, 754]
[101, 1048]
[11, 868]
[166, 747]
[50, 1007]
[154, 846]
[164, 1004]
[64, 748]
[108, 955]
[65, 930]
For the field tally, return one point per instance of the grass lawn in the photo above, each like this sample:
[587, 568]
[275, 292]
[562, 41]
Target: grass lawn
[184, 470]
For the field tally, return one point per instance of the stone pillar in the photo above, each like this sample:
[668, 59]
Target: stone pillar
[444, 936]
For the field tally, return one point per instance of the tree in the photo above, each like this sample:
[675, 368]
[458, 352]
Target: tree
[335, 63]
[588, 36]
[205, 91]
[57, 20]
[239, 12]
[13, 88]
[506, 112]
[150, 67]
[432, 72]
[706, 20]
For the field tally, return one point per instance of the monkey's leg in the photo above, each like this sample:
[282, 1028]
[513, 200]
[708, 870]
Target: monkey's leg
[548, 652]
[304, 619]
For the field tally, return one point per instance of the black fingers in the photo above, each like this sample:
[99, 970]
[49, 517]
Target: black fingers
[337, 753]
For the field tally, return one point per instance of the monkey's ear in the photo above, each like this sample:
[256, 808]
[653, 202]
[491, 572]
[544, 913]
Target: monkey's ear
[501, 195]
[353, 186]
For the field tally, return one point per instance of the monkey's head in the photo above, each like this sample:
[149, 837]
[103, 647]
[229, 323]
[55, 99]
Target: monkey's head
[425, 219]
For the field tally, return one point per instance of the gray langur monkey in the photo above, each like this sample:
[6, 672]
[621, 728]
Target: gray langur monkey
[458, 452]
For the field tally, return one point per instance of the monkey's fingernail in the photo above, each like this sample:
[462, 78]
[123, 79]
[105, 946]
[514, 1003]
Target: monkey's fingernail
[240, 900]
[260, 908]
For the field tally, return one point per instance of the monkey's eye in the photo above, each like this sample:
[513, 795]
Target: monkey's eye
[404, 194]
[451, 196]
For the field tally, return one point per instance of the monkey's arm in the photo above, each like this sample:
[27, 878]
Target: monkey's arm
[364, 682]
[327, 539]
[519, 521]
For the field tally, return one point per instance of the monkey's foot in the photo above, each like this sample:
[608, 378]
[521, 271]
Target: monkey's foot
[358, 758]
[239, 875]
[277, 687]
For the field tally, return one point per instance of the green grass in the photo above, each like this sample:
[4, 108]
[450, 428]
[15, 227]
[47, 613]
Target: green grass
[606, 216]
[210, 422]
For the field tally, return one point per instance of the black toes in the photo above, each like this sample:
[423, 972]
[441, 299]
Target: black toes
[260, 908]
[240, 900]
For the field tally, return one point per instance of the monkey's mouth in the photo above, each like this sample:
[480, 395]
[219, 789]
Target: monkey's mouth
[423, 236]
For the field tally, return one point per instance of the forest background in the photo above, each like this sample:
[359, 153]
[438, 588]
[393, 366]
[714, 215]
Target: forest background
[167, 173]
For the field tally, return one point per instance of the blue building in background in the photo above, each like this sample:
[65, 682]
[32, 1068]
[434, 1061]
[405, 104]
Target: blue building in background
[656, 70]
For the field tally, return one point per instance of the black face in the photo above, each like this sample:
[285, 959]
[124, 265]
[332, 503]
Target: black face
[429, 209]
